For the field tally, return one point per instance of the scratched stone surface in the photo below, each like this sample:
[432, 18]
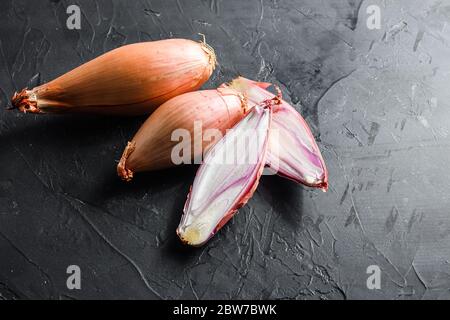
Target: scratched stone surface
[377, 101]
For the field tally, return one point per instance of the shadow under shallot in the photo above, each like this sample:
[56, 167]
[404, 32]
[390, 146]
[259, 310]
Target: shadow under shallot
[66, 152]
[53, 141]
[285, 197]
[48, 146]
[64, 132]
[168, 187]
[174, 249]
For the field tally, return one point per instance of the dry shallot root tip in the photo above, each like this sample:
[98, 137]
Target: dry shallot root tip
[210, 51]
[122, 170]
[243, 99]
[22, 101]
[279, 93]
[244, 102]
[273, 102]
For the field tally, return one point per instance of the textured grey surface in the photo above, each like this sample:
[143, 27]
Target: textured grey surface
[376, 99]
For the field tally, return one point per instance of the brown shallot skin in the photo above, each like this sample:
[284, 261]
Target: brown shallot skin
[131, 80]
[152, 146]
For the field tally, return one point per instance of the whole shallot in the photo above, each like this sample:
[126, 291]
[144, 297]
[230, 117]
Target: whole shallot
[131, 80]
[157, 144]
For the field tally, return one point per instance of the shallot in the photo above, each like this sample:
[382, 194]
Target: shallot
[227, 178]
[131, 80]
[177, 131]
[293, 151]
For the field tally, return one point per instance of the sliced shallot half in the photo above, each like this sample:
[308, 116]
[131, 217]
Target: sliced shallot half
[293, 151]
[228, 176]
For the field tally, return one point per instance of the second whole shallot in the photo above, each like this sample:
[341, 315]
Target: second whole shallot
[154, 145]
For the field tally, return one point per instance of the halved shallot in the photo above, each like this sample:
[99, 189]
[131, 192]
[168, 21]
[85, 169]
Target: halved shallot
[131, 80]
[189, 118]
[293, 151]
[227, 178]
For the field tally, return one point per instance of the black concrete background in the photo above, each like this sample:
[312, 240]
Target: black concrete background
[377, 101]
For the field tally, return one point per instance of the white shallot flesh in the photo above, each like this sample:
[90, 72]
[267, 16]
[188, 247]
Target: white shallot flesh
[293, 151]
[228, 176]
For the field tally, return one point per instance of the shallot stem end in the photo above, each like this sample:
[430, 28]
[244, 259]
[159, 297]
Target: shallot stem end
[210, 51]
[22, 101]
[122, 170]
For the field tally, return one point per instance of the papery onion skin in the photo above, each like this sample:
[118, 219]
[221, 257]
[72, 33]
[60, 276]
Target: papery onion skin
[130, 80]
[151, 147]
[204, 215]
[303, 162]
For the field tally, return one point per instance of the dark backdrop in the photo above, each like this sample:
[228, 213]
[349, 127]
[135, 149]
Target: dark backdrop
[377, 101]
